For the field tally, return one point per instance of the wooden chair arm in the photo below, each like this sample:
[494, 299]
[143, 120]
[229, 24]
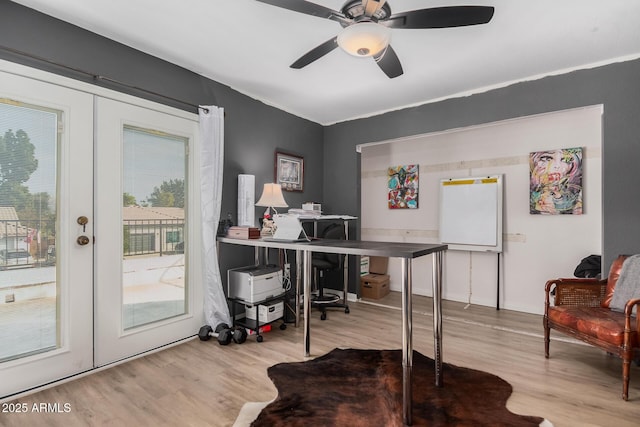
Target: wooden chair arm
[587, 292]
[628, 310]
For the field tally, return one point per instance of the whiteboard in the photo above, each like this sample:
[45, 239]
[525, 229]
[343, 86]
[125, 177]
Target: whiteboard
[471, 213]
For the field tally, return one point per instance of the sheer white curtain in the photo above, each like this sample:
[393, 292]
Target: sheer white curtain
[216, 310]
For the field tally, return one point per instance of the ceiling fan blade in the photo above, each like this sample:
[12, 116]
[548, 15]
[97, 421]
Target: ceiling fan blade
[305, 7]
[388, 62]
[441, 17]
[316, 53]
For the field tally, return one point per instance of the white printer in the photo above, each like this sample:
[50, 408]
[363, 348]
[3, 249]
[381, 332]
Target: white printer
[254, 283]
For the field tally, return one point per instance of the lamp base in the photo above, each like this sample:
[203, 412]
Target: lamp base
[268, 227]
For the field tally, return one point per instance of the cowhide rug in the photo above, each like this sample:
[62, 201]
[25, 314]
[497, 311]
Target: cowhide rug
[364, 388]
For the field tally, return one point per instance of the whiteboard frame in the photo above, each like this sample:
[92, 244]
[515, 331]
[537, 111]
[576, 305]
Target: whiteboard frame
[498, 213]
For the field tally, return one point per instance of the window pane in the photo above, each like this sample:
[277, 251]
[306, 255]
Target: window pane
[153, 226]
[29, 305]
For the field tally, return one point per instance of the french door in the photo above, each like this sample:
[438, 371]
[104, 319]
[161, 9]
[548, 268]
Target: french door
[143, 261]
[46, 276]
[97, 254]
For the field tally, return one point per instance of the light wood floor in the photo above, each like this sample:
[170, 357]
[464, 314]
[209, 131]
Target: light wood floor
[204, 384]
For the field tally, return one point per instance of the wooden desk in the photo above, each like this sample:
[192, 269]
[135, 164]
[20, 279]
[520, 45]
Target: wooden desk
[406, 252]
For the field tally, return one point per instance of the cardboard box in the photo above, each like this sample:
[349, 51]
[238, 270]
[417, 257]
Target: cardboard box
[266, 312]
[378, 264]
[374, 286]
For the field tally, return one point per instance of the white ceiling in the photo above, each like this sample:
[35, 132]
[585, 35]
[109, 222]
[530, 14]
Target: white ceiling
[249, 46]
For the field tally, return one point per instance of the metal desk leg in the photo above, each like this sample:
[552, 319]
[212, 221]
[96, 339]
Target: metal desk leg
[345, 268]
[437, 315]
[307, 301]
[298, 283]
[407, 344]
[261, 255]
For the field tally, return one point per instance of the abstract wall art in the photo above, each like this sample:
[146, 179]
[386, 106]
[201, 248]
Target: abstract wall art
[402, 187]
[555, 181]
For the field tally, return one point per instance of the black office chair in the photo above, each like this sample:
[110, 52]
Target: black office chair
[322, 265]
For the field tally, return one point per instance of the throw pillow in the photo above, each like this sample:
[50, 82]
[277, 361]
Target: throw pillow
[628, 286]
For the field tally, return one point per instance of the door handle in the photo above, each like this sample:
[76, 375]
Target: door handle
[83, 240]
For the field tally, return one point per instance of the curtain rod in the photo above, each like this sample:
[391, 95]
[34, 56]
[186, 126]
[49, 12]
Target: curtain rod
[97, 77]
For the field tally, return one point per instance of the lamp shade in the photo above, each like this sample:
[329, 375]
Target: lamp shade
[272, 196]
[364, 39]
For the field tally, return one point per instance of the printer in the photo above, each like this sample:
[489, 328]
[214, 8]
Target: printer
[254, 283]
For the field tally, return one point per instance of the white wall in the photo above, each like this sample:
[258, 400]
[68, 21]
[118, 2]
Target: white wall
[535, 248]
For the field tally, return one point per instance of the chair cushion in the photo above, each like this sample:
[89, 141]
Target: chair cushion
[322, 264]
[628, 286]
[598, 322]
[614, 274]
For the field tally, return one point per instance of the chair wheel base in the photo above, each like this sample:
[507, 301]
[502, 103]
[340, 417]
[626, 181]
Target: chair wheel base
[325, 299]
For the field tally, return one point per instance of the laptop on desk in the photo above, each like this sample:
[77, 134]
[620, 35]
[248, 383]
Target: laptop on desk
[288, 229]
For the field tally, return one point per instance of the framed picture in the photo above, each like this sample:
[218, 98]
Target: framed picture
[289, 171]
[402, 187]
[555, 182]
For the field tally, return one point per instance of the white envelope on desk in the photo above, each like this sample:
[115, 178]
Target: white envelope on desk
[288, 229]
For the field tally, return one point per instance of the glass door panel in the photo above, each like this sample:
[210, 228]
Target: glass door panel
[153, 214]
[28, 285]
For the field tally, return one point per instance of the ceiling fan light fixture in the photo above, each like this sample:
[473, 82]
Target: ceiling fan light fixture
[364, 39]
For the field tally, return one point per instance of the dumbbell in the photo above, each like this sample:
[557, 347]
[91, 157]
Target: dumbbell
[205, 333]
[227, 334]
[239, 335]
[224, 333]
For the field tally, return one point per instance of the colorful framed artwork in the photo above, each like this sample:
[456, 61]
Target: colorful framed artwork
[555, 182]
[289, 171]
[402, 187]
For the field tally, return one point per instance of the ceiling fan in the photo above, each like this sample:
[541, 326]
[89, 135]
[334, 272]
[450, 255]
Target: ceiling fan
[367, 23]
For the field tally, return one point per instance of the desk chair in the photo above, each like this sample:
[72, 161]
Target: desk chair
[322, 264]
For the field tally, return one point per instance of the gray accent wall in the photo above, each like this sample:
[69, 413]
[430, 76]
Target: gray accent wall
[616, 86]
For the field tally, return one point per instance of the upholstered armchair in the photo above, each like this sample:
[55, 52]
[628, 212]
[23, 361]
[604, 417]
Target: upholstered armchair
[582, 309]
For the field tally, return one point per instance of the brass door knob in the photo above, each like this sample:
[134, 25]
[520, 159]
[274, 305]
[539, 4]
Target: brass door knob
[83, 240]
[83, 220]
